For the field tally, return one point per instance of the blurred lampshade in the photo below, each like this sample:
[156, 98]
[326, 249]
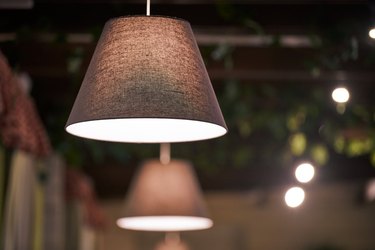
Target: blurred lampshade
[146, 83]
[165, 198]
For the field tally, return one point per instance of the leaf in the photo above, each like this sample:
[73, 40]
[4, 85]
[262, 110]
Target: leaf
[320, 154]
[297, 143]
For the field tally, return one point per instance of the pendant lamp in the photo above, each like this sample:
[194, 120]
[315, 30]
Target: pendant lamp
[165, 197]
[146, 83]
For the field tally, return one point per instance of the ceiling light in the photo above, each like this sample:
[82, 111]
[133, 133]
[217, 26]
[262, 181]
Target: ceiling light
[146, 83]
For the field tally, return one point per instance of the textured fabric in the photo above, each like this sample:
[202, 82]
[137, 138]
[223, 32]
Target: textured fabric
[20, 125]
[165, 190]
[146, 67]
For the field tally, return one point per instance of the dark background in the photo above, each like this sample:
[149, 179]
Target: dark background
[271, 92]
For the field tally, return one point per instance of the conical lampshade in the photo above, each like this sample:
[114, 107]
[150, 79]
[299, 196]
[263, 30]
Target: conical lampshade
[146, 83]
[165, 198]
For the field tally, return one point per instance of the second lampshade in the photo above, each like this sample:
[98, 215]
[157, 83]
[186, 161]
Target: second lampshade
[165, 198]
[146, 83]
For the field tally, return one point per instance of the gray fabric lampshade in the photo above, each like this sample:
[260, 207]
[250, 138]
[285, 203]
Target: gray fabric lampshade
[146, 83]
[165, 198]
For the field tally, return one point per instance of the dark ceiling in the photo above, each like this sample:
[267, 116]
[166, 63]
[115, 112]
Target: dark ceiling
[253, 43]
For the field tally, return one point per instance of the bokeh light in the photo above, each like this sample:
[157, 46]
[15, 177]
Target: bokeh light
[340, 95]
[294, 197]
[305, 172]
[371, 33]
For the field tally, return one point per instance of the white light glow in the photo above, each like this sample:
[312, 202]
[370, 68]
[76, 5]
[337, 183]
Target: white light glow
[294, 197]
[304, 172]
[371, 33]
[165, 223]
[146, 130]
[340, 95]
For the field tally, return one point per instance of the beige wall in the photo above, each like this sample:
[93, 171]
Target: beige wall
[260, 220]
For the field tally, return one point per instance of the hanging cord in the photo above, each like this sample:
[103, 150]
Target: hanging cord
[165, 153]
[148, 8]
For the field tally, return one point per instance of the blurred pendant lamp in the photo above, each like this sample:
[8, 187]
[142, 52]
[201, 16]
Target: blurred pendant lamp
[165, 196]
[146, 83]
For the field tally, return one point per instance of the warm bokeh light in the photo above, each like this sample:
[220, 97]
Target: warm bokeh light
[371, 33]
[304, 172]
[340, 95]
[294, 197]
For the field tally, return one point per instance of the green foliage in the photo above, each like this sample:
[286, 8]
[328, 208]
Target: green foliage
[297, 144]
[319, 153]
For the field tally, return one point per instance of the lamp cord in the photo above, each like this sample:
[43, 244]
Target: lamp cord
[148, 8]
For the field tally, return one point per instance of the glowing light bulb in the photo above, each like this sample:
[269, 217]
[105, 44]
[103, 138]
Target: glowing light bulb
[305, 172]
[340, 95]
[294, 197]
[371, 33]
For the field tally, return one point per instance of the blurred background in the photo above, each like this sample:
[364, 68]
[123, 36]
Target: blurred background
[274, 66]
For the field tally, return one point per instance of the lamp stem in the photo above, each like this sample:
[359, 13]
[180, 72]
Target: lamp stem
[165, 153]
[148, 8]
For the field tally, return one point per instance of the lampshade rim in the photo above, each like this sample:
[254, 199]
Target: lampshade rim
[151, 16]
[208, 223]
[104, 132]
[136, 117]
